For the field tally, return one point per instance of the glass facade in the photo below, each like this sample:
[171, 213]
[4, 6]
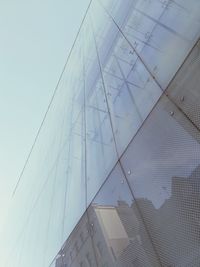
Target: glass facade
[114, 176]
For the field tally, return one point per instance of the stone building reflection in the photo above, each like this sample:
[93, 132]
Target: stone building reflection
[117, 233]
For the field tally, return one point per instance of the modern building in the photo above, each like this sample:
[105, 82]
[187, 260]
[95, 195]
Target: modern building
[114, 179]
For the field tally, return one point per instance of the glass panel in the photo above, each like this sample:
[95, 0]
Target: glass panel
[131, 91]
[77, 251]
[184, 89]
[75, 187]
[162, 166]
[56, 220]
[58, 156]
[101, 150]
[108, 88]
[162, 32]
[118, 233]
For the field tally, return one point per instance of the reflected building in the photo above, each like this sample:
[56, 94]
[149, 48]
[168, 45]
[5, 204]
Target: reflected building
[119, 235]
[113, 177]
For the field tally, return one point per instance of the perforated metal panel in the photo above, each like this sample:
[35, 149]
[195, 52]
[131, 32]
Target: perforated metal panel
[143, 207]
[162, 165]
[184, 90]
[119, 235]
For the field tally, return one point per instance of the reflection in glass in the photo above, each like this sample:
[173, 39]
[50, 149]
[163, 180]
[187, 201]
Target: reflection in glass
[77, 251]
[161, 32]
[107, 104]
[184, 89]
[162, 166]
[131, 92]
[118, 233]
[100, 145]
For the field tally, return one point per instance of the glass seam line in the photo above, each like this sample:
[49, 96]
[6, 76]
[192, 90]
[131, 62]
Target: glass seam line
[128, 89]
[104, 86]
[137, 54]
[85, 137]
[163, 94]
[85, 119]
[67, 172]
[53, 194]
[163, 89]
[103, 82]
[141, 215]
[50, 103]
[138, 131]
[116, 145]
[176, 105]
[119, 160]
[41, 191]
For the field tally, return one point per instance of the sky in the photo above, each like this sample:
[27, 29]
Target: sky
[36, 37]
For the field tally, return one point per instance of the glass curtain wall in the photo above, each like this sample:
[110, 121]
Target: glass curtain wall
[113, 179]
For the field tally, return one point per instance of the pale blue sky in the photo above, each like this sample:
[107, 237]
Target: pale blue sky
[36, 37]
